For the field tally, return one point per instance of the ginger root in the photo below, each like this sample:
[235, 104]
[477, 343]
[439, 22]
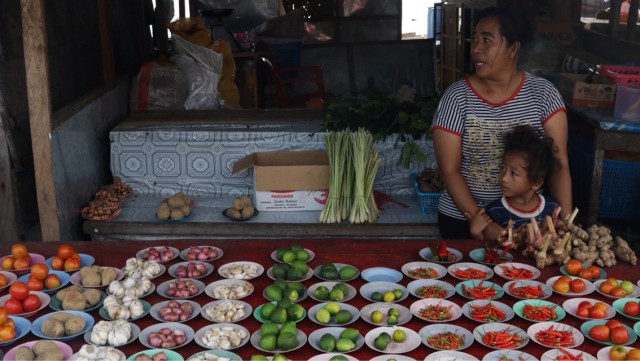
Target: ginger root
[623, 251]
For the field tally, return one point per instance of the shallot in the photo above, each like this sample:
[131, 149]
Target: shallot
[176, 311]
[191, 270]
[161, 254]
[201, 253]
[167, 338]
[182, 289]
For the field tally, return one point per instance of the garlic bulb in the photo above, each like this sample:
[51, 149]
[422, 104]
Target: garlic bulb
[97, 353]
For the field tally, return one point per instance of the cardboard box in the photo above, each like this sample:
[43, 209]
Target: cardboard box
[561, 33]
[288, 181]
[600, 93]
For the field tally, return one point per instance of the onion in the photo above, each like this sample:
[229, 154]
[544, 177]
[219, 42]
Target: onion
[155, 340]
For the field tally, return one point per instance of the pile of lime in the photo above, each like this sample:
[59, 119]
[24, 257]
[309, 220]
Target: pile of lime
[281, 289]
[329, 271]
[293, 271]
[281, 311]
[282, 338]
[384, 339]
[345, 342]
[337, 293]
[387, 296]
[332, 310]
[275, 357]
[292, 253]
[393, 313]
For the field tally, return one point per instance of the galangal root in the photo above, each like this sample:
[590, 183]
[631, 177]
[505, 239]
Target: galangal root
[556, 241]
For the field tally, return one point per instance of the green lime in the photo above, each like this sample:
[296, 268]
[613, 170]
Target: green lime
[392, 320]
[279, 357]
[287, 341]
[301, 266]
[332, 307]
[295, 312]
[279, 315]
[280, 283]
[336, 295]
[289, 326]
[302, 255]
[296, 248]
[321, 293]
[266, 310]
[380, 343]
[294, 274]
[268, 342]
[269, 328]
[258, 358]
[376, 316]
[386, 336]
[280, 270]
[399, 335]
[280, 252]
[342, 287]
[273, 292]
[376, 296]
[284, 303]
[323, 316]
[347, 272]
[350, 333]
[345, 345]
[339, 358]
[328, 274]
[289, 256]
[329, 265]
[393, 312]
[327, 342]
[398, 293]
[343, 316]
[290, 294]
[296, 285]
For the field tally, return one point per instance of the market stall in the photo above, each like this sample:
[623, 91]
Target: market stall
[362, 254]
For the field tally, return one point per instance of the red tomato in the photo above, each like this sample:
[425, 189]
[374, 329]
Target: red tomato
[586, 304]
[19, 290]
[13, 306]
[71, 263]
[65, 251]
[619, 335]
[618, 292]
[597, 312]
[34, 284]
[7, 333]
[39, 271]
[52, 281]
[22, 263]
[4, 315]
[631, 308]
[19, 250]
[599, 333]
[31, 303]
[583, 312]
[613, 324]
[3, 280]
[57, 263]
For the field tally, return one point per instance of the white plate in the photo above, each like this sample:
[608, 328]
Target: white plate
[314, 338]
[382, 286]
[242, 270]
[634, 294]
[144, 334]
[450, 356]
[499, 270]
[141, 254]
[374, 274]
[330, 284]
[255, 341]
[463, 266]
[218, 254]
[454, 311]
[427, 255]
[238, 289]
[578, 337]
[207, 271]
[467, 309]
[418, 287]
[355, 314]
[571, 306]
[155, 310]
[546, 289]
[499, 355]
[307, 275]
[423, 270]
[164, 287]
[135, 332]
[311, 253]
[603, 353]
[481, 330]
[589, 287]
[328, 356]
[409, 344]
[384, 307]
[552, 355]
[431, 330]
[246, 309]
[316, 272]
[76, 279]
[203, 331]
[36, 326]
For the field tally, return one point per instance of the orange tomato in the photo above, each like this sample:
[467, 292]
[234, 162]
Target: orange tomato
[21, 263]
[52, 281]
[618, 353]
[595, 271]
[57, 263]
[618, 292]
[39, 271]
[34, 284]
[10, 322]
[606, 287]
[65, 251]
[565, 278]
[600, 304]
[634, 354]
[3, 280]
[561, 286]
[4, 315]
[19, 250]
[7, 262]
[7, 333]
[574, 267]
[597, 312]
[577, 285]
[71, 263]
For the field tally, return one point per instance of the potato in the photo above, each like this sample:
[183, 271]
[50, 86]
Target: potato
[163, 213]
[89, 270]
[74, 325]
[61, 316]
[51, 355]
[108, 274]
[91, 279]
[42, 346]
[232, 213]
[186, 210]
[52, 328]
[176, 214]
[74, 300]
[237, 204]
[91, 297]
[61, 294]
[248, 212]
[176, 202]
[246, 201]
[23, 353]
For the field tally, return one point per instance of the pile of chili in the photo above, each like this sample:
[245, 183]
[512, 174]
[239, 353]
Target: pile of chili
[568, 356]
[479, 292]
[446, 340]
[435, 312]
[441, 253]
[469, 273]
[539, 313]
[486, 313]
[492, 255]
[503, 338]
[555, 338]
[433, 291]
[423, 272]
[507, 358]
[527, 291]
[516, 273]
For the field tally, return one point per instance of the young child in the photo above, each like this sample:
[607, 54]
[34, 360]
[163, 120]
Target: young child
[527, 162]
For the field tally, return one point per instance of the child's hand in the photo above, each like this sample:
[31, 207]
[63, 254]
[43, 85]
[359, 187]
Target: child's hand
[477, 223]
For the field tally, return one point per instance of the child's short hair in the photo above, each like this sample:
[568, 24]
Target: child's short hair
[537, 150]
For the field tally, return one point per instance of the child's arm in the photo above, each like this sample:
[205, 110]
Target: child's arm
[477, 223]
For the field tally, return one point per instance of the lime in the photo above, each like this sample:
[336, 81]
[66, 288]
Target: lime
[376, 296]
[295, 312]
[343, 316]
[273, 292]
[289, 326]
[280, 283]
[279, 357]
[399, 335]
[328, 273]
[392, 320]
[269, 328]
[266, 310]
[280, 252]
[389, 296]
[280, 270]
[296, 285]
[296, 248]
[323, 316]
[301, 266]
[398, 293]
[336, 295]
[279, 315]
[328, 265]
[290, 294]
[302, 255]
[327, 342]
[294, 274]
[287, 341]
[338, 358]
[386, 336]
[258, 358]
[350, 333]
[288, 256]
[380, 343]
[347, 272]
[332, 307]
[321, 293]
[393, 312]
[284, 303]
[268, 342]
[342, 287]
[376, 316]
[345, 345]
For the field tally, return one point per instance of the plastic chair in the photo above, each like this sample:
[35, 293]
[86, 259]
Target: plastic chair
[294, 87]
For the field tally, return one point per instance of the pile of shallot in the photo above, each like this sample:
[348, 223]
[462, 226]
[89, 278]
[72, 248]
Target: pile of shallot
[167, 338]
[203, 253]
[176, 311]
[182, 289]
[160, 254]
[159, 356]
[191, 270]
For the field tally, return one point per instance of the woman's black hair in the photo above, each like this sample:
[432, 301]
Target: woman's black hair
[537, 150]
[514, 25]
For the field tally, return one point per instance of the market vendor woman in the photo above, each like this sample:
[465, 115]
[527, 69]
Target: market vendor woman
[475, 113]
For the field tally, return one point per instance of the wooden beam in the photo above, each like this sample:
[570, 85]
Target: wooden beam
[106, 42]
[36, 63]
[8, 189]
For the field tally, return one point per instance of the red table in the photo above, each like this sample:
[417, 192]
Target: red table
[362, 253]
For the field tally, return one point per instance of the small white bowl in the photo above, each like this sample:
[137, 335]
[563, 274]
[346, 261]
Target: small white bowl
[144, 334]
[163, 288]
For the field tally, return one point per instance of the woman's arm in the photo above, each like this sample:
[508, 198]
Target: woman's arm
[560, 181]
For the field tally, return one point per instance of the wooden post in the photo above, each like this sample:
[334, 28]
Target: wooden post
[8, 190]
[36, 63]
[106, 43]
